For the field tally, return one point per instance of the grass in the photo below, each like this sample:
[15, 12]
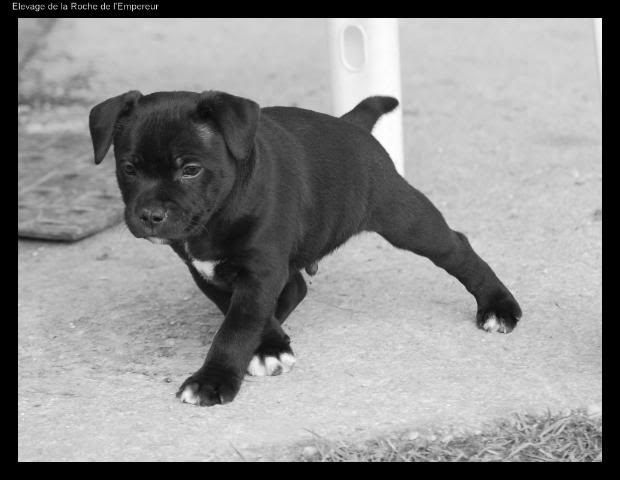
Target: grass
[574, 437]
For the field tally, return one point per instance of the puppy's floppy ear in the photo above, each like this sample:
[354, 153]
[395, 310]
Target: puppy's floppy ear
[103, 118]
[235, 117]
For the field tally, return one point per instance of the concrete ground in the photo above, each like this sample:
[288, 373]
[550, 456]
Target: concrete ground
[503, 133]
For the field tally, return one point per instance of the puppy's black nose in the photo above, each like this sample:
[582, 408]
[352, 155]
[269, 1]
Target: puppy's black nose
[153, 216]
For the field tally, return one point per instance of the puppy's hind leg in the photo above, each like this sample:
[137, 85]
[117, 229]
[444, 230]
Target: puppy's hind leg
[275, 355]
[408, 220]
[292, 295]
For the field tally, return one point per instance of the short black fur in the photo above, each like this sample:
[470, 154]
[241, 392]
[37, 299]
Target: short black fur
[277, 189]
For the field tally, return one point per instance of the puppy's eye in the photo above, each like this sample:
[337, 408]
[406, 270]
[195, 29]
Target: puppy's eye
[190, 171]
[129, 169]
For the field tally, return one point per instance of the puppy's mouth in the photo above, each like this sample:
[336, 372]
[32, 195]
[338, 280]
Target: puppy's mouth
[190, 229]
[159, 241]
[174, 230]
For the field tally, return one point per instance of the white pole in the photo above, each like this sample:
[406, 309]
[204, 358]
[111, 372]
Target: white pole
[365, 61]
[598, 33]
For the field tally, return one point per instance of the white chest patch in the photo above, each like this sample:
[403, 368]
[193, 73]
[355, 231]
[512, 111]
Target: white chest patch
[206, 268]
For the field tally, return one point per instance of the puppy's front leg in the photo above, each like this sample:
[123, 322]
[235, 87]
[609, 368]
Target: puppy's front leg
[252, 305]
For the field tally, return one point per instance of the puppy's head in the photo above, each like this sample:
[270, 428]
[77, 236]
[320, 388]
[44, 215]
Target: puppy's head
[177, 156]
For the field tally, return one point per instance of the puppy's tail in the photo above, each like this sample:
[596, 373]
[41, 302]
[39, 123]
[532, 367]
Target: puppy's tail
[368, 111]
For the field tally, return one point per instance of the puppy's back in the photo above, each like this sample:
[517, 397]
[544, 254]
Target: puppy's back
[331, 165]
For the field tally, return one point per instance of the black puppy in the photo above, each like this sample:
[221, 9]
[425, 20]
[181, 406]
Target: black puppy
[248, 197]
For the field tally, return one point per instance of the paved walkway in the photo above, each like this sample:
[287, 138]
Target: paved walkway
[502, 122]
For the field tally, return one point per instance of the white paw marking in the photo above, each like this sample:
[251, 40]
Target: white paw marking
[206, 268]
[493, 324]
[288, 360]
[189, 395]
[271, 365]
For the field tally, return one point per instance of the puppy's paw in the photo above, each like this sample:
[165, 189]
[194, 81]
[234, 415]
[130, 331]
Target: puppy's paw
[263, 366]
[206, 388]
[498, 324]
[271, 360]
[500, 314]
